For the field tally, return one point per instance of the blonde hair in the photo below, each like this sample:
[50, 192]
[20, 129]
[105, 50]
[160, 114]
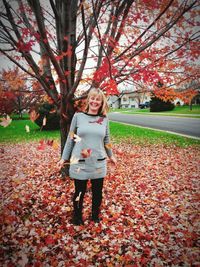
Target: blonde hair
[104, 106]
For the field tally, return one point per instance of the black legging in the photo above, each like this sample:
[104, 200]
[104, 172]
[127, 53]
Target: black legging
[80, 189]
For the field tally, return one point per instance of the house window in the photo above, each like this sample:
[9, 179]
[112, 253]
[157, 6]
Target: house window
[125, 99]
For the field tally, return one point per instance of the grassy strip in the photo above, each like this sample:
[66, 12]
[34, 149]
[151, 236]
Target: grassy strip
[145, 136]
[16, 132]
[177, 111]
[194, 116]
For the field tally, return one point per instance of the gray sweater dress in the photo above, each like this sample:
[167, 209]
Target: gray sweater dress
[87, 146]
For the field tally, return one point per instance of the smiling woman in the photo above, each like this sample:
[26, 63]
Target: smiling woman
[87, 153]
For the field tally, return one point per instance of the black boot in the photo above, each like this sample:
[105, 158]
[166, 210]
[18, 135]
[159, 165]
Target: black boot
[77, 216]
[77, 220]
[97, 186]
[95, 216]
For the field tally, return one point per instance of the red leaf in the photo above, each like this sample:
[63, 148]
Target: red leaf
[49, 240]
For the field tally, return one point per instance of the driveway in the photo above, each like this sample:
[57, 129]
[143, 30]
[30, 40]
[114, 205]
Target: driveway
[179, 125]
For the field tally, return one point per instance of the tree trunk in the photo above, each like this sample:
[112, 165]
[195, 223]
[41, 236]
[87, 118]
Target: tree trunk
[20, 114]
[66, 114]
[190, 105]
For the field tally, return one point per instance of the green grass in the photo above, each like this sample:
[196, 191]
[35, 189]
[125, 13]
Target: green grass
[25, 116]
[146, 136]
[16, 132]
[185, 110]
[179, 110]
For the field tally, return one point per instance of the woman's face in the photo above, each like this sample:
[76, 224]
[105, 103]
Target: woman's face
[94, 102]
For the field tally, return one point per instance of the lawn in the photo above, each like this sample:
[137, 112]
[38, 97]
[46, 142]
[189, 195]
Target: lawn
[16, 132]
[137, 135]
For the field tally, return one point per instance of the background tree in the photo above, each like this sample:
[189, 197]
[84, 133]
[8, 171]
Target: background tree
[188, 91]
[18, 92]
[70, 45]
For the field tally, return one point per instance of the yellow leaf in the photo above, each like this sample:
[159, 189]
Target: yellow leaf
[109, 145]
[74, 160]
[71, 135]
[77, 138]
[55, 145]
[27, 129]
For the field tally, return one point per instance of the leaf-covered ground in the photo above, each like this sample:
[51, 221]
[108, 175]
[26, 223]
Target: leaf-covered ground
[150, 211]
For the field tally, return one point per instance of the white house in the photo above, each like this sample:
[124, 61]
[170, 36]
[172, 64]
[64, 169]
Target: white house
[129, 99]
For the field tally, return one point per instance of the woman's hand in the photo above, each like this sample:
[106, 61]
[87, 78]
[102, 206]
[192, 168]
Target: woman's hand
[113, 160]
[60, 163]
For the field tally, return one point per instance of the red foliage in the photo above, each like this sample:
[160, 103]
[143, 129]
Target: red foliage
[7, 102]
[110, 87]
[25, 47]
[104, 71]
[166, 94]
[188, 95]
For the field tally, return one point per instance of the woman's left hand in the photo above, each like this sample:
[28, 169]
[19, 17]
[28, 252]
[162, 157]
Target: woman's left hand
[60, 163]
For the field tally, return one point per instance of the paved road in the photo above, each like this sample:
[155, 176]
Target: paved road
[184, 126]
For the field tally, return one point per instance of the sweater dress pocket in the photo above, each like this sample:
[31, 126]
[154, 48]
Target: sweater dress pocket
[87, 170]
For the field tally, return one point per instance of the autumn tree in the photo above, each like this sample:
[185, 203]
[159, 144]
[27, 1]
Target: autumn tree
[72, 45]
[18, 92]
[188, 92]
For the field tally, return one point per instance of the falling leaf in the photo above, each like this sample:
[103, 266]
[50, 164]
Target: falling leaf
[44, 122]
[85, 153]
[77, 138]
[42, 145]
[34, 115]
[71, 134]
[50, 142]
[5, 121]
[78, 197]
[109, 145]
[74, 160]
[27, 128]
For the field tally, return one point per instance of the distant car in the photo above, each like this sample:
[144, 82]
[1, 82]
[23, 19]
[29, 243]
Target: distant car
[144, 105]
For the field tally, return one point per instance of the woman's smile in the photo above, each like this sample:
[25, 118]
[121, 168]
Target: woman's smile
[94, 104]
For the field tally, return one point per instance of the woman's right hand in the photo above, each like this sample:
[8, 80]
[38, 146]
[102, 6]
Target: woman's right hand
[60, 163]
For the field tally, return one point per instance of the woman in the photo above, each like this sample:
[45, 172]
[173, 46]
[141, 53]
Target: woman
[87, 146]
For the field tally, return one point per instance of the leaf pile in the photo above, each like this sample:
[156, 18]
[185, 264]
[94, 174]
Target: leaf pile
[150, 210]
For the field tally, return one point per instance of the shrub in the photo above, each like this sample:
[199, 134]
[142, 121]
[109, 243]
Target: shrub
[157, 104]
[52, 117]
